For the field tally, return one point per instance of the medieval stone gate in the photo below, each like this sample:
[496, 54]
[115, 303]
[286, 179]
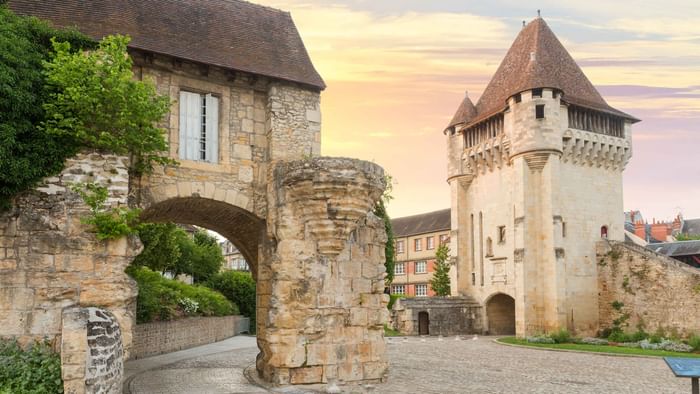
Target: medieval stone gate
[303, 222]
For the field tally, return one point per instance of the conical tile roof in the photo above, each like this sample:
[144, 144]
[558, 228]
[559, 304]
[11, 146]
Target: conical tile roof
[538, 60]
[465, 112]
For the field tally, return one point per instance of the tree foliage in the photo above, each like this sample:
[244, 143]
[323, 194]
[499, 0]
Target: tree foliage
[687, 237]
[239, 288]
[27, 153]
[36, 370]
[440, 283]
[168, 248]
[94, 99]
[108, 223]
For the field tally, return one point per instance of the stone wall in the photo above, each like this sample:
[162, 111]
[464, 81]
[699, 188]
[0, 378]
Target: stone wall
[91, 352]
[656, 291]
[447, 315]
[321, 307]
[49, 260]
[164, 337]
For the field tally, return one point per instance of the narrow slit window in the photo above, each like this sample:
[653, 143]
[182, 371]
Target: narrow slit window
[518, 98]
[539, 111]
[537, 92]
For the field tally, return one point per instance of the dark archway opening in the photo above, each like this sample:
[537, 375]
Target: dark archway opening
[500, 310]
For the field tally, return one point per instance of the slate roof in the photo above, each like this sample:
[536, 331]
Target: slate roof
[691, 226]
[232, 34]
[465, 112]
[680, 248]
[421, 224]
[537, 59]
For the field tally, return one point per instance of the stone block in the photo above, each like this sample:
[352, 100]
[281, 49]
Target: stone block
[243, 151]
[306, 375]
[374, 370]
[350, 371]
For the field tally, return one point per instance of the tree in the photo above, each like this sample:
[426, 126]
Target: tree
[27, 153]
[687, 237]
[161, 246]
[207, 258]
[95, 100]
[440, 283]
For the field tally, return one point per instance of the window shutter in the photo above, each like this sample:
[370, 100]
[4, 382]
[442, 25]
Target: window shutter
[190, 123]
[212, 128]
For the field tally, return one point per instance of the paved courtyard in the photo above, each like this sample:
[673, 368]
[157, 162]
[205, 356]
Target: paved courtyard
[431, 366]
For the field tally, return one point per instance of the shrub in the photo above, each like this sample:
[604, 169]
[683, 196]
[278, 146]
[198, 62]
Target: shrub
[694, 342]
[639, 336]
[561, 336]
[619, 336]
[160, 298]
[593, 341]
[36, 370]
[540, 339]
[239, 288]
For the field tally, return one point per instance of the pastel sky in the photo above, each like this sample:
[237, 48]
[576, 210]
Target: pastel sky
[396, 71]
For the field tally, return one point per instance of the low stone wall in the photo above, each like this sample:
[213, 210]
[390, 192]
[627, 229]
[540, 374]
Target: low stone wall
[654, 290]
[163, 337]
[92, 356]
[446, 316]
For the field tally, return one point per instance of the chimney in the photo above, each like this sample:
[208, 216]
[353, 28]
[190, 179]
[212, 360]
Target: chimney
[660, 231]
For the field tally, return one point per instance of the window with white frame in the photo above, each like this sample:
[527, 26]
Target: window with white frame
[199, 127]
[399, 269]
[430, 243]
[399, 246]
[417, 245]
[421, 267]
[421, 290]
[444, 238]
[398, 289]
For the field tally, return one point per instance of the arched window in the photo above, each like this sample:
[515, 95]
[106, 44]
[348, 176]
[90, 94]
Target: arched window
[604, 232]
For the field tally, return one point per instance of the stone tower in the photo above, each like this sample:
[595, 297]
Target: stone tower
[535, 171]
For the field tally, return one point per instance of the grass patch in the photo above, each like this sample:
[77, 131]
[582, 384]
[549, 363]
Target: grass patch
[598, 348]
[390, 332]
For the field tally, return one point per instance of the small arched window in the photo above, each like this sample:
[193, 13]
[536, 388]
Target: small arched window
[604, 232]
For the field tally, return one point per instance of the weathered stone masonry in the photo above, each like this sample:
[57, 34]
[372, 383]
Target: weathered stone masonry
[657, 291]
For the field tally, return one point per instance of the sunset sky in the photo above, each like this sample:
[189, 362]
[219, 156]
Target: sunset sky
[397, 70]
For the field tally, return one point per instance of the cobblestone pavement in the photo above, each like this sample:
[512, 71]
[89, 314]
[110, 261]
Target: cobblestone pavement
[448, 366]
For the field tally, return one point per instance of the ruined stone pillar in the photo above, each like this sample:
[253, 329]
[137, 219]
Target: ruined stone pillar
[320, 305]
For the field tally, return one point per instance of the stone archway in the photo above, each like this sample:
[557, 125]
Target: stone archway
[500, 313]
[243, 228]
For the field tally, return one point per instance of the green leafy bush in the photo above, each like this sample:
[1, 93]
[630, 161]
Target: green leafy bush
[27, 153]
[640, 335]
[36, 370]
[160, 298]
[619, 336]
[561, 336]
[108, 223]
[694, 341]
[239, 288]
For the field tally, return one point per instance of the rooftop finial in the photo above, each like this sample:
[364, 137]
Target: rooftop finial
[523, 23]
[466, 93]
[538, 14]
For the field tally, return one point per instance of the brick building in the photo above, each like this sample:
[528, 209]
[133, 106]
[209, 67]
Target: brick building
[416, 239]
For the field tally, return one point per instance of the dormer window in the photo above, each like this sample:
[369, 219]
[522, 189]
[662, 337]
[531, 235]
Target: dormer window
[537, 92]
[539, 111]
[518, 98]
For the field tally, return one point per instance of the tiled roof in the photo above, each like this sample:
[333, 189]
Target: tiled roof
[680, 248]
[465, 112]
[421, 224]
[691, 226]
[232, 34]
[538, 60]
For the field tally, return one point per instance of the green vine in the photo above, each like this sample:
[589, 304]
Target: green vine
[626, 285]
[107, 222]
